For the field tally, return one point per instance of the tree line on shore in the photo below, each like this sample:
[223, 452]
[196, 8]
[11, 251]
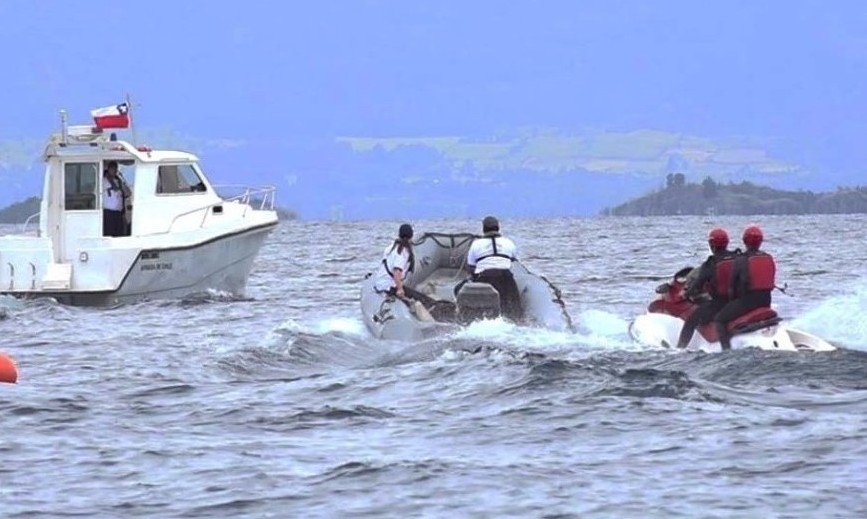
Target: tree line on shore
[711, 197]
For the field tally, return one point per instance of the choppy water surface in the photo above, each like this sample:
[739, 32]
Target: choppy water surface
[281, 405]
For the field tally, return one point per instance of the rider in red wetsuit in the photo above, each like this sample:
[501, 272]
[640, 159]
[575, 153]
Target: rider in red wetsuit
[753, 279]
[715, 277]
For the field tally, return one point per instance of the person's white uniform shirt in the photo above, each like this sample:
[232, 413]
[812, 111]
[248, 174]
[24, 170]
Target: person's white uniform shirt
[481, 254]
[112, 198]
[393, 260]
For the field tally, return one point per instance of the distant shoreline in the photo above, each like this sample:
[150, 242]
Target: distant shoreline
[745, 198]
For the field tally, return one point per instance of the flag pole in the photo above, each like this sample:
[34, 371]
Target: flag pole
[131, 119]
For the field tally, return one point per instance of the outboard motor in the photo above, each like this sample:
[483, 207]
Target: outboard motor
[478, 301]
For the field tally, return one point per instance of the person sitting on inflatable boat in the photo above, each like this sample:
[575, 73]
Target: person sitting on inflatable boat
[398, 262]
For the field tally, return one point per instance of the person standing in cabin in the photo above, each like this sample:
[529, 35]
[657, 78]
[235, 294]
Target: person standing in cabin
[114, 195]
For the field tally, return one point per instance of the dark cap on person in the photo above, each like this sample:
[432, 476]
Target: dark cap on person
[405, 231]
[490, 224]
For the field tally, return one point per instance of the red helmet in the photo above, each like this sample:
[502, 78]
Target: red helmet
[753, 237]
[718, 238]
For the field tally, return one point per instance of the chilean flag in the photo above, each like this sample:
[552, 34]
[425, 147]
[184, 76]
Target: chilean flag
[115, 116]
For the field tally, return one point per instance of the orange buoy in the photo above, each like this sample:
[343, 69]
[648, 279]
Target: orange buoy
[8, 371]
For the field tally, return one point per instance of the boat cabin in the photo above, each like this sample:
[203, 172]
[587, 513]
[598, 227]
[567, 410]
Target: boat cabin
[161, 191]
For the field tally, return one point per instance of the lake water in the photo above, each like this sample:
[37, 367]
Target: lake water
[281, 405]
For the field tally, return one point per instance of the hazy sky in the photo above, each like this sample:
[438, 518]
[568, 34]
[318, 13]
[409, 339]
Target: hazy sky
[787, 71]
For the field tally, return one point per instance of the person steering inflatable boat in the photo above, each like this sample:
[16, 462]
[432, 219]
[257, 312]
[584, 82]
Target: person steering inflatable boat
[490, 261]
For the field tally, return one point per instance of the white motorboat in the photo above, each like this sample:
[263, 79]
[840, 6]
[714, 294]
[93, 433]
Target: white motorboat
[182, 236]
[762, 328]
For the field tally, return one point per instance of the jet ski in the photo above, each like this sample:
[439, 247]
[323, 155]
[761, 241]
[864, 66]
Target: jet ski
[439, 273]
[761, 328]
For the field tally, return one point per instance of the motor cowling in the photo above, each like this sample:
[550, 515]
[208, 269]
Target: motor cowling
[477, 301]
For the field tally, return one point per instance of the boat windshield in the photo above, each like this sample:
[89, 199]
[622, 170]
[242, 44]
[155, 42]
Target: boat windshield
[179, 178]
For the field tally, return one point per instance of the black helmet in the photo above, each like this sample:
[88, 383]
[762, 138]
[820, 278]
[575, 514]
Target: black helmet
[490, 224]
[405, 231]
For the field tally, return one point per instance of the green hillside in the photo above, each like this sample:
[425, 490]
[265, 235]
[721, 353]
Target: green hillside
[711, 197]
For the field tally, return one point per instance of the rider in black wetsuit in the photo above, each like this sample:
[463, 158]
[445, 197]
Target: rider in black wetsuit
[714, 277]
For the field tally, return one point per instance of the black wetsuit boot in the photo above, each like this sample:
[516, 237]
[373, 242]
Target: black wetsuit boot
[725, 341]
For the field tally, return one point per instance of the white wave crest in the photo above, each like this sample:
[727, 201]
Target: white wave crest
[839, 319]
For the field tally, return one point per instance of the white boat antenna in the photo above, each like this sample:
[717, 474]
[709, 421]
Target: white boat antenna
[63, 126]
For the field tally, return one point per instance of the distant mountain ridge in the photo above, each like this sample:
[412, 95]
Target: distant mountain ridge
[557, 173]
[745, 198]
[18, 212]
[647, 151]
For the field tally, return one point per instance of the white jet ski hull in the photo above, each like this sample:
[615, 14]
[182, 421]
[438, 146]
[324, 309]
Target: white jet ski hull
[662, 330]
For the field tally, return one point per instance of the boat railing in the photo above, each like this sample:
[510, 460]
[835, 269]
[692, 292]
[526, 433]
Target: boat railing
[263, 197]
[27, 223]
[248, 198]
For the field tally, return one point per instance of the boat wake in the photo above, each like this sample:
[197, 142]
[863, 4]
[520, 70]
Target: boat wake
[342, 342]
[598, 359]
[209, 296]
[596, 331]
[839, 319]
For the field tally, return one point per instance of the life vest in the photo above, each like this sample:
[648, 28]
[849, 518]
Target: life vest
[113, 194]
[411, 262]
[761, 271]
[722, 277]
[495, 253]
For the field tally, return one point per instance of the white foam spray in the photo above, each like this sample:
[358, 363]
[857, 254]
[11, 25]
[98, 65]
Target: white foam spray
[840, 319]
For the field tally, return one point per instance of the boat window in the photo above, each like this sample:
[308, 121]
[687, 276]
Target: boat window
[179, 178]
[80, 186]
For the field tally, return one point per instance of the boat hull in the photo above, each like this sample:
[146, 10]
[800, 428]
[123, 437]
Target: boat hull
[222, 263]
